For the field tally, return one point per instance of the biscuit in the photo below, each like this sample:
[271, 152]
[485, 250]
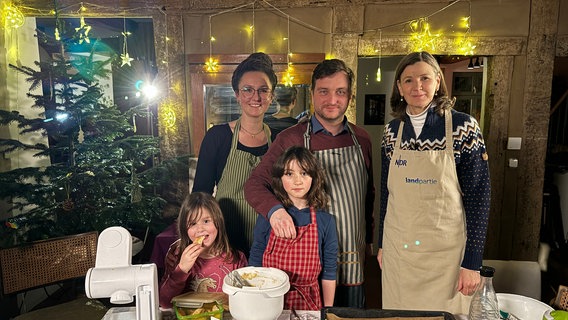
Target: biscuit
[199, 240]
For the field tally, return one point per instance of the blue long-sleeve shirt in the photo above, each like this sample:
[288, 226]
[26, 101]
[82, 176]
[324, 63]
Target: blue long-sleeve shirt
[327, 239]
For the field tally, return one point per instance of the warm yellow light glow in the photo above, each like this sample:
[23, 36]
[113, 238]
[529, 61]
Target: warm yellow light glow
[211, 65]
[126, 59]
[83, 31]
[288, 79]
[465, 22]
[379, 76]
[212, 38]
[465, 46]
[167, 115]
[12, 16]
[421, 37]
[56, 34]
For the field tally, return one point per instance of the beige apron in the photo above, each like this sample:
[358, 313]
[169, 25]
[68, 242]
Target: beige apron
[240, 217]
[424, 230]
[346, 178]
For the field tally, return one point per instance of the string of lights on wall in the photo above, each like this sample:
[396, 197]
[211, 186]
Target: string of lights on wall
[420, 32]
[212, 64]
[12, 17]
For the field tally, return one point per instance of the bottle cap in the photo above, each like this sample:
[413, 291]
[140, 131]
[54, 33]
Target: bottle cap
[486, 271]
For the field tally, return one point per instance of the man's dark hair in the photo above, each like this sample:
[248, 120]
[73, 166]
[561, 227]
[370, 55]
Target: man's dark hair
[329, 67]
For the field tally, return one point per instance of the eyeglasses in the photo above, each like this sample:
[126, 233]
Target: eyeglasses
[249, 92]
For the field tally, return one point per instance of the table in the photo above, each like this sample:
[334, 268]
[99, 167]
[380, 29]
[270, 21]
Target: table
[168, 314]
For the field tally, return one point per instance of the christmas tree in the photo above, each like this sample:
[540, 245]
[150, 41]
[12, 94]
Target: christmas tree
[100, 172]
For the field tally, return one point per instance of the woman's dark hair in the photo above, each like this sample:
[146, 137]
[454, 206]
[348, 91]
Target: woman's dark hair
[317, 196]
[329, 67]
[190, 212]
[441, 99]
[257, 61]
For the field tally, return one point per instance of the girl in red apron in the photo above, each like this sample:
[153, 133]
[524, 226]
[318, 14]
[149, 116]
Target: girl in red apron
[298, 181]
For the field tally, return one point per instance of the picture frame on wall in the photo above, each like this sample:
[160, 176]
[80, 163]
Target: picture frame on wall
[375, 109]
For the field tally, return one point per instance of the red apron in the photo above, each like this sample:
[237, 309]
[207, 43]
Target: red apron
[299, 258]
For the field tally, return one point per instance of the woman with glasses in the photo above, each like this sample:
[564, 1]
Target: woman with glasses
[230, 151]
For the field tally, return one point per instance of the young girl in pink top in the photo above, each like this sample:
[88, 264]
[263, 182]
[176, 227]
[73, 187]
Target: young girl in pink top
[202, 256]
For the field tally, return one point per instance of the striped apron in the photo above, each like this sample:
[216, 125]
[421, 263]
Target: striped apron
[424, 230]
[346, 178]
[240, 217]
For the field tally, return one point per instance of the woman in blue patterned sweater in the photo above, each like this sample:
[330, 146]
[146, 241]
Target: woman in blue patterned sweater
[434, 199]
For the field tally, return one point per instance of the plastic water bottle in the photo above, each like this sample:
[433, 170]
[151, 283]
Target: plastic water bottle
[484, 304]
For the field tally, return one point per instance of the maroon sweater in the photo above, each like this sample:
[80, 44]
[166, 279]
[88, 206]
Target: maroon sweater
[258, 192]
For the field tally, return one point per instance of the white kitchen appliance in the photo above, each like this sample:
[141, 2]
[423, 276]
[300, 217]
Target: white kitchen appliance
[114, 276]
[260, 296]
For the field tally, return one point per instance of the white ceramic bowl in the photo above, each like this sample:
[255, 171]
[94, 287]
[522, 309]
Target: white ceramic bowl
[263, 300]
[523, 307]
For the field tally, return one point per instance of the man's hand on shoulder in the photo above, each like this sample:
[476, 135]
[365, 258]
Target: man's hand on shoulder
[282, 224]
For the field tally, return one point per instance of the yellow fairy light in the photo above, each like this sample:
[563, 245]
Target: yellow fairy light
[125, 57]
[465, 22]
[13, 17]
[288, 79]
[167, 114]
[465, 46]
[83, 31]
[421, 37]
[211, 65]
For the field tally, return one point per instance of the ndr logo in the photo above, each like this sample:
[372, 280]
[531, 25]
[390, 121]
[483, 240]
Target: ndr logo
[400, 162]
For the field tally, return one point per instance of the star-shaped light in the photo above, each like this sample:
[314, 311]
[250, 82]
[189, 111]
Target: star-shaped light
[421, 37]
[211, 65]
[83, 31]
[125, 57]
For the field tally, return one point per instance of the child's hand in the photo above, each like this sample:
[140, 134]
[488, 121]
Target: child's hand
[189, 256]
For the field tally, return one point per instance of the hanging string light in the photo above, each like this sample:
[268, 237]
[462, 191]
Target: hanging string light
[464, 43]
[288, 79]
[84, 29]
[253, 31]
[421, 37]
[12, 16]
[125, 57]
[211, 65]
[379, 76]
